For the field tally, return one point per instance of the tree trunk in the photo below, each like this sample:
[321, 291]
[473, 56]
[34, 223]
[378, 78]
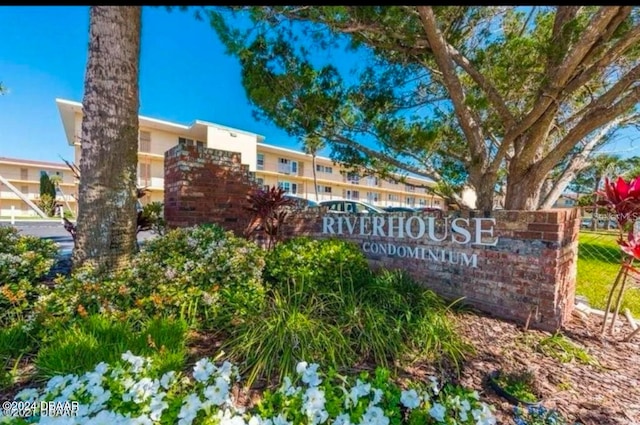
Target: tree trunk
[106, 232]
[485, 187]
[523, 188]
[315, 178]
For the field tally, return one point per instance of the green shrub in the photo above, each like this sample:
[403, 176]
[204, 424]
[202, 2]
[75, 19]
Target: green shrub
[326, 263]
[294, 325]
[202, 274]
[24, 261]
[387, 318]
[78, 347]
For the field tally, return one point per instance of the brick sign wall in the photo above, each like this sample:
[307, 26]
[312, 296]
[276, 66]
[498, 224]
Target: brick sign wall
[518, 265]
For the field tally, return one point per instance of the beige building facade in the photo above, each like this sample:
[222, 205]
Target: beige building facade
[23, 176]
[273, 165]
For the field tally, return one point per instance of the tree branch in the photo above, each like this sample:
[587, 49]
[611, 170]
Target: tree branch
[598, 116]
[468, 123]
[557, 76]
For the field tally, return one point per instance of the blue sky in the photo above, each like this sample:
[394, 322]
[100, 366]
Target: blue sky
[184, 75]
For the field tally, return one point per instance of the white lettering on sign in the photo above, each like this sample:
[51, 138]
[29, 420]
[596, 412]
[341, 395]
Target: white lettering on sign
[460, 231]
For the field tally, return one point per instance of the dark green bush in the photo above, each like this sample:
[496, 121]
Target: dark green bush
[24, 261]
[203, 274]
[320, 264]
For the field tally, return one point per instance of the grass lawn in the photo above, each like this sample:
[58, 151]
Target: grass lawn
[598, 264]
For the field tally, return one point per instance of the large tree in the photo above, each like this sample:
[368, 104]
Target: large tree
[106, 225]
[500, 96]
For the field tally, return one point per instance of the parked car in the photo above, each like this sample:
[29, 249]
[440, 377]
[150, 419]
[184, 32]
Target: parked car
[399, 209]
[302, 202]
[346, 206]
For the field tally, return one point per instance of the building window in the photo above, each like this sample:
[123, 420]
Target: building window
[199, 144]
[372, 197]
[353, 178]
[288, 187]
[324, 189]
[411, 201]
[372, 181]
[352, 194]
[24, 189]
[324, 169]
[287, 166]
[144, 144]
[436, 202]
[422, 202]
[144, 173]
[24, 174]
[393, 197]
[260, 161]
[410, 188]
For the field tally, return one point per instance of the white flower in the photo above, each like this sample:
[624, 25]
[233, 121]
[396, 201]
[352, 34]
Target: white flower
[313, 405]
[281, 420]
[301, 367]
[309, 373]
[137, 362]
[203, 369]
[141, 420]
[226, 371]
[167, 379]
[342, 419]
[287, 388]
[374, 416]
[377, 395]
[483, 416]
[410, 399]
[359, 390]
[437, 412]
[101, 368]
[28, 394]
[157, 406]
[218, 393]
[189, 409]
[434, 385]
[228, 418]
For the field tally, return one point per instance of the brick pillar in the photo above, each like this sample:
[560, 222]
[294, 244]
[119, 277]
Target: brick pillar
[206, 186]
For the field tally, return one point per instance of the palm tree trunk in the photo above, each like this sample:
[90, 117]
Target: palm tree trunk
[106, 230]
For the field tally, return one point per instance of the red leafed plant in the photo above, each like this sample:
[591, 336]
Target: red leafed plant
[623, 198]
[268, 208]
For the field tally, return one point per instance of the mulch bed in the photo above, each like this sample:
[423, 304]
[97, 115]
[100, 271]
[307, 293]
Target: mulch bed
[604, 393]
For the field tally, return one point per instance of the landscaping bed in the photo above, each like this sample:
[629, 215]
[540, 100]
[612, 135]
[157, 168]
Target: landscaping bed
[201, 293]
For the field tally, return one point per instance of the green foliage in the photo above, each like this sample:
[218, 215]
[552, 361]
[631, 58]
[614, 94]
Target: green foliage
[24, 261]
[389, 105]
[322, 290]
[520, 385]
[152, 218]
[563, 350]
[326, 263]
[47, 201]
[294, 325]
[78, 347]
[598, 265]
[202, 274]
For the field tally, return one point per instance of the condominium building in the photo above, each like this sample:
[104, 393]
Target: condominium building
[273, 166]
[20, 183]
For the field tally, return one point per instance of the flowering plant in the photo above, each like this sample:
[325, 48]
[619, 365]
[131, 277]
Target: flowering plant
[538, 415]
[624, 199]
[129, 393]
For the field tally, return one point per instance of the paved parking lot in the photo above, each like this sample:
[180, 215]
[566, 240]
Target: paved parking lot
[54, 230]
